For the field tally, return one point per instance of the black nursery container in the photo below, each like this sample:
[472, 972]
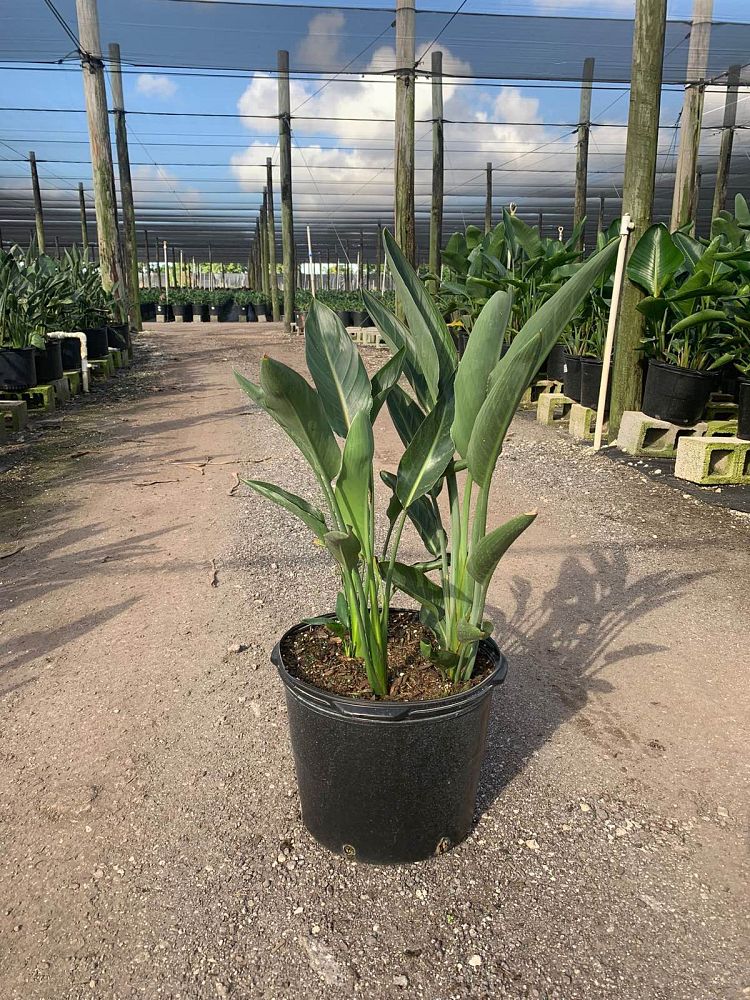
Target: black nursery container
[17, 368]
[49, 364]
[678, 395]
[388, 782]
[556, 363]
[743, 416]
[97, 342]
[345, 316]
[591, 377]
[359, 317]
[252, 316]
[118, 335]
[148, 312]
[572, 376]
[185, 311]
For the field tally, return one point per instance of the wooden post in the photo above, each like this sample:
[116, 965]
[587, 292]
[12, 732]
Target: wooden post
[696, 196]
[727, 139]
[348, 272]
[404, 137]
[38, 213]
[438, 169]
[84, 221]
[264, 245]
[361, 260]
[582, 147]
[57, 247]
[638, 194]
[488, 200]
[272, 243]
[379, 257]
[130, 247]
[692, 114]
[102, 169]
[166, 273]
[600, 221]
[285, 170]
[175, 282]
[210, 268]
[328, 270]
[540, 222]
[156, 258]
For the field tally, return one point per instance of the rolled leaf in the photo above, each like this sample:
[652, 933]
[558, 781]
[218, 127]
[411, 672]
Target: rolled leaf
[344, 547]
[336, 368]
[384, 380]
[353, 485]
[489, 550]
[305, 511]
[405, 414]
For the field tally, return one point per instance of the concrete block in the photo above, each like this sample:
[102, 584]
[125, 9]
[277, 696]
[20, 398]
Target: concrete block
[74, 382]
[101, 368]
[3, 432]
[553, 408]
[15, 413]
[115, 355]
[713, 461]
[648, 437]
[720, 410]
[62, 390]
[41, 398]
[583, 422]
[530, 398]
[721, 428]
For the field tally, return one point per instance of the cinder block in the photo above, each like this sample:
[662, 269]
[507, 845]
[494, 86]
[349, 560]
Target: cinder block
[115, 355]
[101, 368]
[720, 410]
[3, 432]
[62, 390]
[582, 422]
[531, 396]
[40, 399]
[648, 437]
[712, 461]
[15, 413]
[721, 428]
[74, 382]
[553, 408]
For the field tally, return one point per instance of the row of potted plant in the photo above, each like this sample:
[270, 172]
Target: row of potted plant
[39, 295]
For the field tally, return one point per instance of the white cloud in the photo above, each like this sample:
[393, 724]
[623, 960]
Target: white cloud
[151, 85]
[320, 49]
[155, 185]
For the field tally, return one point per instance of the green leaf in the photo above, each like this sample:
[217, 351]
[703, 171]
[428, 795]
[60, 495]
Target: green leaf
[489, 550]
[310, 515]
[405, 414]
[418, 585]
[296, 407]
[698, 319]
[481, 356]
[422, 514]
[527, 237]
[466, 632]
[250, 388]
[384, 380]
[353, 485]
[515, 370]
[342, 610]
[344, 547]
[741, 211]
[336, 368]
[428, 453]
[422, 314]
[420, 357]
[655, 260]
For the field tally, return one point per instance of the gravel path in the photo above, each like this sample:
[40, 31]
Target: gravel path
[150, 839]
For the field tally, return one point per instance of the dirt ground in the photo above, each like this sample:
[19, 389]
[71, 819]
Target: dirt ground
[150, 837]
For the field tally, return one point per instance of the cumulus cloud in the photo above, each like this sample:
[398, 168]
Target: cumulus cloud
[320, 50]
[155, 185]
[152, 85]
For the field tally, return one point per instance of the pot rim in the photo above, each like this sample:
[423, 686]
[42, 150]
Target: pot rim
[371, 710]
[691, 372]
[16, 350]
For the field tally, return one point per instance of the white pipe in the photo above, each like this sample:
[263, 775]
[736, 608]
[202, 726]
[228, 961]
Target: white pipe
[625, 227]
[310, 259]
[81, 338]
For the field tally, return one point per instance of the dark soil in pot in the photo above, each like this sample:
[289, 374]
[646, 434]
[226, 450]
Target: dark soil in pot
[743, 416]
[386, 781]
[49, 364]
[572, 376]
[71, 354]
[17, 368]
[97, 342]
[678, 395]
[591, 376]
[556, 363]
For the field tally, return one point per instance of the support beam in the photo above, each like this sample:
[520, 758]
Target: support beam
[130, 242]
[488, 200]
[404, 137]
[84, 221]
[438, 168]
[38, 213]
[272, 242]
[692, 114]
[600, 221]
[638, 194]
[285, 169]
[582, 147]
[156, 259]
[95, 93]
[264, 246]
[727, 139]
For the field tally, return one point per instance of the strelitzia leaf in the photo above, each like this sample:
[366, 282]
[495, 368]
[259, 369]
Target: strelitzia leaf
[353, 485]
[489, 550]
[428, 453]
[305, 511]
[384, 380]
[416, 584]
[336, 368]
[344, 547]
[655, 260]
[250, 388]
[405, 414]
[420, 358]
[294, 405]
[467, 632]
[422, 514]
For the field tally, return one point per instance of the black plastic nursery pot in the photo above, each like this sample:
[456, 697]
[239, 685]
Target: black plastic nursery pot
[359, 317]
[556, 363]
[185, 311]
[165, 309]
[678, 395]
[572, 376]
[201, 312]
[743, 416]
[49, 363]
[70, 348]
[591, 377]
[229, 312]
[388, 782]
[345, 316]
[118, 335]
[252, 316]
[17, 368]
[97, 342]
[148, 312]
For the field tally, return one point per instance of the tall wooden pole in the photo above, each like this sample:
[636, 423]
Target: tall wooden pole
[488, 200]
[727, 139]
[102, 169]
[379, 257]
[271, 242]
[285, 170]
[600, 221]
[638, 194]
[438, 168]
[264, 245]
[130, 248]
[692, 114]
[148, 256]
[404, 137]
[175, 281]
[540, 222]
[582, 147]
[38, 213]
[156, 258]
[84, 221]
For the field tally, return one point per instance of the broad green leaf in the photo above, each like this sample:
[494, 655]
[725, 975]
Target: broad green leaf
[422, 514]
[467, 632]
[384, 380]
[416, 584]
[698, 319]
[405, 414]
[336, 368]
[250, 388]
[527, 237]
[305, 511]
[489, 550]
[692, 250]
[422, 314]
[655, 260]
[296, 407]
[428, 453]
[481, 356]
[353, 485]
[420, 359]
[741, 211]
[344, 547]
[515, 370]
